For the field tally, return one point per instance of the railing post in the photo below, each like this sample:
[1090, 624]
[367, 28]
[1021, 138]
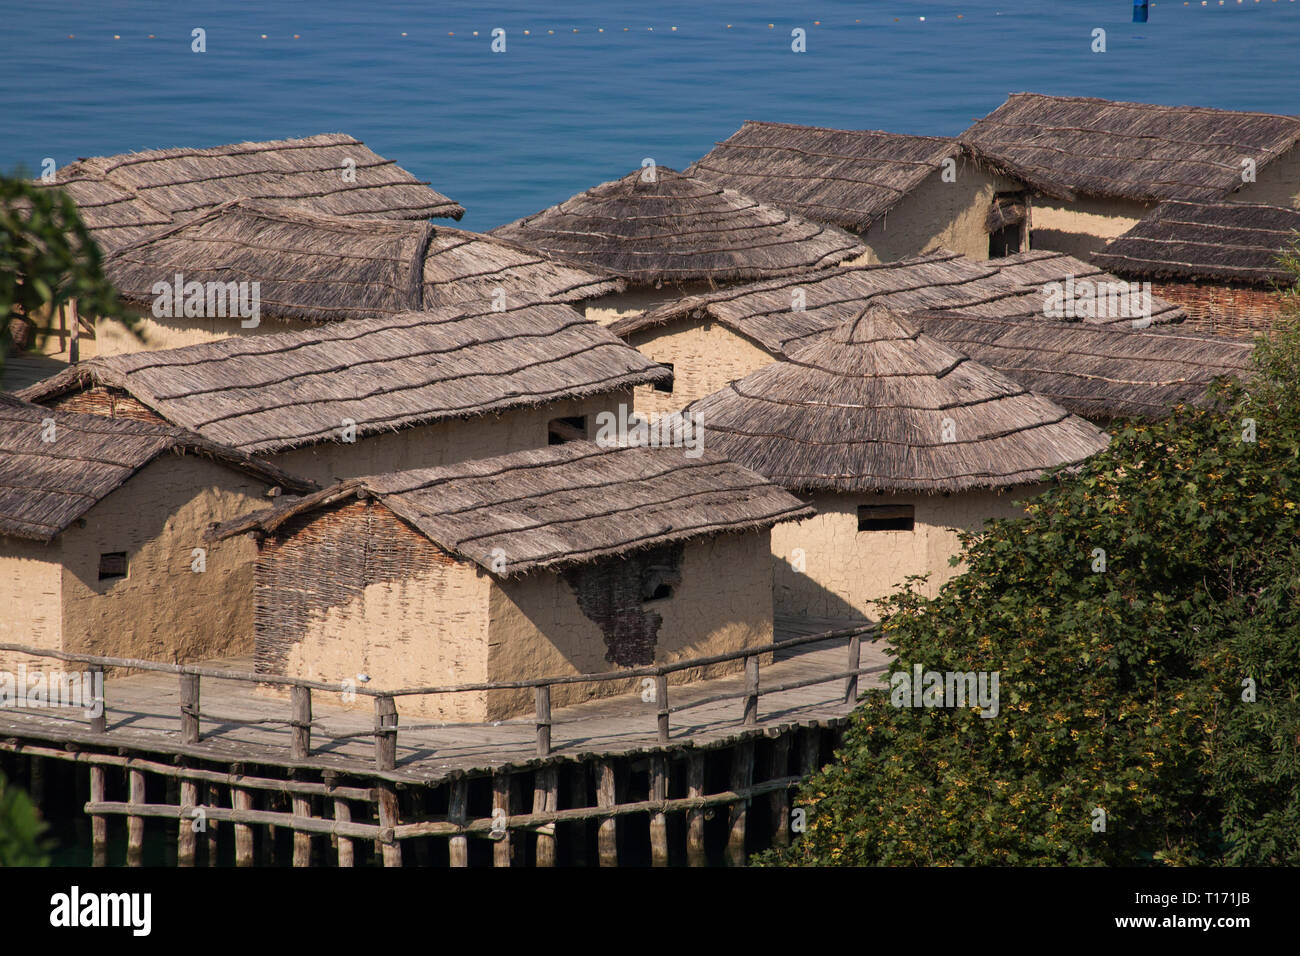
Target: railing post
[385, 733]
[543, 697]
[99, 704]
[661, 699]
[300, 737]
[751, 690]
[190, 708]
[851, 682]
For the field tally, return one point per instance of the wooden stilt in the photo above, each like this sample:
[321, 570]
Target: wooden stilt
[546, 800]
[343, 814]
[503, 849]
[135, 825]
[606, 796]
[186, 838]
[98, 822]
[578, 797]
[242, 799]
[810, 753]
[780, 767]
[36, 782]
[659, 821]
[301, 839]
[213, 801]
[389, 817]
[458, 812]
[266, 846]
[695, 854]
[742, 777]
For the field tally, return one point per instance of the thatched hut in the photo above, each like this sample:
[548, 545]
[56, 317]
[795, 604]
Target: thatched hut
[308, 270]
[1218, 260]
[565, 560]
[898, 441]
[902, 195]
[710, 340]
[412, 390]
[1101, 165]
[101, 538]
[668, 234]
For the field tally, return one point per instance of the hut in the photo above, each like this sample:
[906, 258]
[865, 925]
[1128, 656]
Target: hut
[573, 559]
[710, 340]
[249, 267]
[1099, 166]
[668, 234]
[1218, 260]
[415, 389]
[1098, 373]
[898, 442]
[101, 530]
[124, 198]
[902, 195]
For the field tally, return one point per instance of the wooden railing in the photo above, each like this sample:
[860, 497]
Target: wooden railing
[385, 729]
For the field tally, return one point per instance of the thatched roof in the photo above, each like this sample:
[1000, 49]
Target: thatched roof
[564, 505]
[269, 393]
[122, 198]
[1079, 145]
[762, 311]
[1095, 372]
[878, 406]
[47, 485]
[677, 228]
[321, 269]
[1237, 242]
[849, 178]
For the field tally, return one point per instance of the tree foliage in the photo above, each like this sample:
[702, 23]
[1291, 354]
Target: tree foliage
[21, 829]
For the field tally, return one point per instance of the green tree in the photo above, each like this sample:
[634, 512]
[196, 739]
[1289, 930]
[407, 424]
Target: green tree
[21, 829]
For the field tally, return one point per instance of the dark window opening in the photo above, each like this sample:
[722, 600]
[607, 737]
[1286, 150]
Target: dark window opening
[886, 517]
[560, 430]
[658, 583]
[112, 565]
[668, 385]
[1008, 222]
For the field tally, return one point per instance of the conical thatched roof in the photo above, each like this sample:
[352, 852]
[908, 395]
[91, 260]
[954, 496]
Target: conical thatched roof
[323, 268]
[266, 394]
[877, 406]
[1236, 242]
[122, 198]
[554, 507]
[849, 178]
[676, 228]
[47, 485]
[1080, 145]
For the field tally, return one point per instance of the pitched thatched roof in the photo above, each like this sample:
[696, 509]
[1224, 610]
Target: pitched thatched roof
[564, 505]
[269, 393]
[677, 228]
[122, 198]
[1238, 242]
[762, 311]
[1080, 145]
[1096, 372]
[321, 269]
[47, 485]
[877, 406]
[849, 178]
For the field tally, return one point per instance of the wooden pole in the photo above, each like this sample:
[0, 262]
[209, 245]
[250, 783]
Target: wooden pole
[810, 754]
[300, 737]
[301, 838]
[855, 658]
[661, 699]
[134, 824]
[751, 690]
[458, 813]
[780, 766]
[658, 819]
[607, 834]
[578, 797]
[695, 854]
[36, 781]
[213, 801]
[503, 850]
[99, 723]
[385, 733]
[74, 344]
[546, 800]
[389, 818]
[186, 839]
[543, 698]
[242, 799]
[190, 708]
[343, 814]
[742, 776]
[98, 822]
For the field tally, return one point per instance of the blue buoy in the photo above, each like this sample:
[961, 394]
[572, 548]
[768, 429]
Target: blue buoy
[1139, 11]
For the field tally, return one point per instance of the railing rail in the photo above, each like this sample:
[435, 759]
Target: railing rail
[385, 730]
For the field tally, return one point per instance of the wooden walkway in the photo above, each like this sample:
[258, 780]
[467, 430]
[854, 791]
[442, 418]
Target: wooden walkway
[143, 714]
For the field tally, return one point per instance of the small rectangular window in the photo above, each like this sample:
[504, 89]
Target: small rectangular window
[886, 517]
[668, 385]
[112, 565]
[560, 430]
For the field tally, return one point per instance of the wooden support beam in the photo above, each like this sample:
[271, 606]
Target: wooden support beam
[36, 781]
[343, 814]
[98, 822]
[810, 752]
[780, 766]
[546, 800]
[458, 813]
[301, 838]
[385, 733]
[190, 708]
[578, 797]
[606, 797]
[751, 690]
[502, 792]
[742, 776]
[388, 821]
[213, 801]
[135, 824]
[99, 704]
[659, 819]
[300, 734]
[695, 853]
[242, 801]
[186, 838]
[855, 661]
[543, 698]
[661, 700]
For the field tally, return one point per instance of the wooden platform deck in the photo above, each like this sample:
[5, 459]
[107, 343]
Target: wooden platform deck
[143, 714]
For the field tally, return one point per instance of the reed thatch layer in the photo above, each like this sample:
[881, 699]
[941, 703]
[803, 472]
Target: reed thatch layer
[655, 226]
[563, 505]
[120, 196]
[848, 178]
[320, 269]
[765, 312]
[46, 485]
[1139, 151]
[269, 393]
[877, 406]
[1237, 242]
[1095, 372]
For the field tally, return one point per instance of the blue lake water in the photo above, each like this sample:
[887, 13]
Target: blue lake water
[507, 134]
